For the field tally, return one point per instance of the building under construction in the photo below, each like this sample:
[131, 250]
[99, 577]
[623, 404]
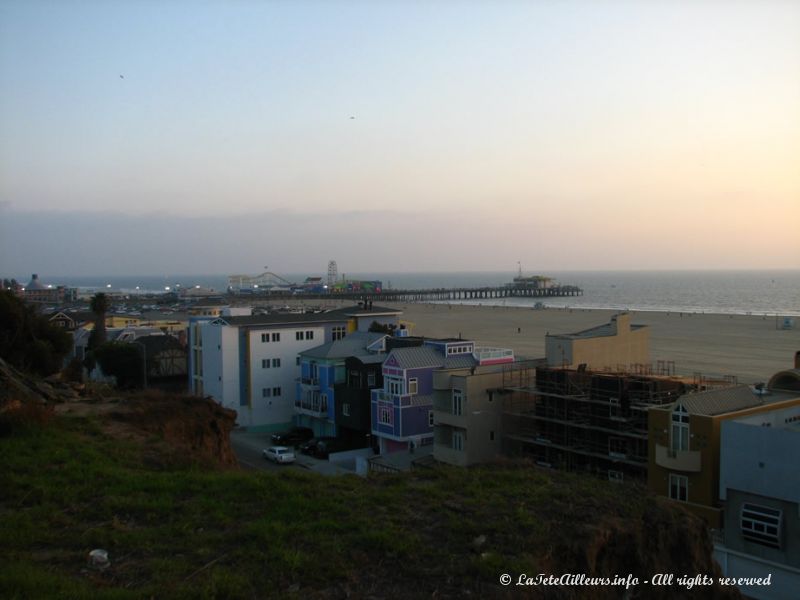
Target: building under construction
[586, 421]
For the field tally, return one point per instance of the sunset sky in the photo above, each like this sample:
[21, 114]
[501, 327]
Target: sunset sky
[138, 137]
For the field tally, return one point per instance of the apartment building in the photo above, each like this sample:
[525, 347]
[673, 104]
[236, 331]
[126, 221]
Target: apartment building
[251, 364]
[617, 345]
[684, 452]
[759, 488]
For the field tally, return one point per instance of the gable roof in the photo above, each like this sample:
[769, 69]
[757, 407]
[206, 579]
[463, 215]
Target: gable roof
[419, 357]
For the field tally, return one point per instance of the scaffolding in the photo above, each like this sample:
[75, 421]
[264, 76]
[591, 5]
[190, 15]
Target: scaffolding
[588, 421]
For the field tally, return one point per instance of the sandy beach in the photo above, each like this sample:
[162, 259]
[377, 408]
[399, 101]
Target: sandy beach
[750, 347]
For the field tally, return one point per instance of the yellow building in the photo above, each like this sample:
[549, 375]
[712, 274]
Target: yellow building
[684, 443]
[617, 345]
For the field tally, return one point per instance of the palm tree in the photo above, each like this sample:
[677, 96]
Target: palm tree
[100, 305]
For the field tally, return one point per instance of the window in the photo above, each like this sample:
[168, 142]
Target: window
[617, 447]
[314, 370]
[458, 441]
[385, 415]
[679, 487]
[309, 335]
[679, 440]
[491, 436]
[338, 333]
[458, 402]
[761, 524]
[614, 409]
[615, 476]
[395, 386]
[430, 418]
[266, 393]
[276, 362]
[264, 337]
[297, 361]
[298, 335]
[276, 337]
[265, 363]
[412, 385]
[346, 409]
[276, 391]
[371, 379]
[323, 403]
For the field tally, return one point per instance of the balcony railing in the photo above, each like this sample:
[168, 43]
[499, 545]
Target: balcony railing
[678, 460]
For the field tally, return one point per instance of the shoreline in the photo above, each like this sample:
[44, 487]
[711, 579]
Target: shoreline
[750, 347]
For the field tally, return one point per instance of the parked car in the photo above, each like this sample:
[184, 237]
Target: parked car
[326, 447]
[293, 437]
[310, 446]
[279, 454]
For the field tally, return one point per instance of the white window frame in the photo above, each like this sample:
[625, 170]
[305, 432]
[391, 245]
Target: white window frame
[371, 379]
[346, 409]
[276, 392]
[761, 524]
[385, 416]
[681, 485]
[394, 386]
[458, 441]
[265, 363]
[276, 363]
[679, 430]
[413, 385]
[458, 402]
[264, 338]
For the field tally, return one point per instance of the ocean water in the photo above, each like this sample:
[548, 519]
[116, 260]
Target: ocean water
[728, 292]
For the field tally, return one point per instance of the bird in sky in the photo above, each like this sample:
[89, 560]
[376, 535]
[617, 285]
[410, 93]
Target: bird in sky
[352, 117]
[121, 77]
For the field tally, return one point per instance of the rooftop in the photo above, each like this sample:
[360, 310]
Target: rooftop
[339, 314]
[730, 399]
[354, 344]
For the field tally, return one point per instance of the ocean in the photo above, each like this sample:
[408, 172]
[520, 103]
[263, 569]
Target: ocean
[728, 292]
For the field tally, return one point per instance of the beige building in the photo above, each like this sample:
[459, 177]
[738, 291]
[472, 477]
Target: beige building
[684, 442]
[467, 416]
[617, 345]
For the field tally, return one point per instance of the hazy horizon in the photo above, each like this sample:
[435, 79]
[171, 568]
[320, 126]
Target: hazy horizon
[221, 137]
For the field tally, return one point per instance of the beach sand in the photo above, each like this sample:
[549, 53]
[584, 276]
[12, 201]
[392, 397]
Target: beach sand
[749, 347]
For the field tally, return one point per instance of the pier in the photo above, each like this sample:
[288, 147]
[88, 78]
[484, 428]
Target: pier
[440, 294]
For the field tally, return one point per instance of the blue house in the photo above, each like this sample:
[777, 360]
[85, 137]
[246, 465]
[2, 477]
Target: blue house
[321, 368]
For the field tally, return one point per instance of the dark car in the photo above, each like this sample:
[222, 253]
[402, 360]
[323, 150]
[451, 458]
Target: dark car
[292, 437]
[326, 447]
[310, 446]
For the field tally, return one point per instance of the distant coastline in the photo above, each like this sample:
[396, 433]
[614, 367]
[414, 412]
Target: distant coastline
[756, 292]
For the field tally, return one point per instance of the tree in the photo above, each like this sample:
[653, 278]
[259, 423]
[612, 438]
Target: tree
[100, 305]
[28, 341]
[123, 361]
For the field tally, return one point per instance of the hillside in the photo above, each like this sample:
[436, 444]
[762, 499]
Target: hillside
[118, 474]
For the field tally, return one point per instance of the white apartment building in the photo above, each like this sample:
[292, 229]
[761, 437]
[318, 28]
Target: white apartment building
[251, 364]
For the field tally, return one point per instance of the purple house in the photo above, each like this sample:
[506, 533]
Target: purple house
[402, 412]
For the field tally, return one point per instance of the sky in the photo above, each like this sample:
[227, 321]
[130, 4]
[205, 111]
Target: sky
[190, 136]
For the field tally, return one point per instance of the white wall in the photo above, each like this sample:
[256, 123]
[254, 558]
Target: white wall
[280, 410]
[221, 366]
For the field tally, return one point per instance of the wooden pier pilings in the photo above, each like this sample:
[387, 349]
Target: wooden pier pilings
[442, 294]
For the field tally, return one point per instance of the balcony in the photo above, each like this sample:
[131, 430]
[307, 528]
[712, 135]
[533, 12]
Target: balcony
[678, 460]
[311, 408]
